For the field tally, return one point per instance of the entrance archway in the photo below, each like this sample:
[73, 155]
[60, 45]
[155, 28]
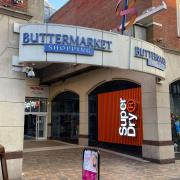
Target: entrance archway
[108, 96]
[175, 113]
[65, 117]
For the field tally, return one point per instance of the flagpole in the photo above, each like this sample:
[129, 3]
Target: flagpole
[124, 17]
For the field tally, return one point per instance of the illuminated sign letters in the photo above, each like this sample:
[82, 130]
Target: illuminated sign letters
[153, 59]
[127, 118]
[68, 44]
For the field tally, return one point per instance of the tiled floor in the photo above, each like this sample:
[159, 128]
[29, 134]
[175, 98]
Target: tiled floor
[39, 144]
[65, 164]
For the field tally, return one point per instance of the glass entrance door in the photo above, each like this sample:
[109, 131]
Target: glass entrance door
[40, 127]
[30, 127]
[35, 127]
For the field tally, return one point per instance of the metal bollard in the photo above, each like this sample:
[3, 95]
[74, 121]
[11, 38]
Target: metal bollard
[3, 163]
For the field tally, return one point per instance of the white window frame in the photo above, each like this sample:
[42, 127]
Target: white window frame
[178, 16]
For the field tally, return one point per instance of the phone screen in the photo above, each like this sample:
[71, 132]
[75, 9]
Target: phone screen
[90, 167]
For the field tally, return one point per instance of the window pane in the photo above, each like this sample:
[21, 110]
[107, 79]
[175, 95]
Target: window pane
[35, 105]
[175, 114]
[56, 125]
[27, 105]
[76, 106]
[68, 106]
[43, 105]
[65, 117]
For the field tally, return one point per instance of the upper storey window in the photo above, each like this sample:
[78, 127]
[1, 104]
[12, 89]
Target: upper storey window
[15, 4]
[17, 1]
[178, 16]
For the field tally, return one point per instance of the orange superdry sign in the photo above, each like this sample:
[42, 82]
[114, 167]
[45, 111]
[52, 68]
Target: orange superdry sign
[120, 117]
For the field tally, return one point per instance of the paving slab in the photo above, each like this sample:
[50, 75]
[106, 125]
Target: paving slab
[28, 144]
[65, 164]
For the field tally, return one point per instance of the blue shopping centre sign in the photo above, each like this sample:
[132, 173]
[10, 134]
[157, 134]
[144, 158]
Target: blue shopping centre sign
[153, 59]
[68, 44]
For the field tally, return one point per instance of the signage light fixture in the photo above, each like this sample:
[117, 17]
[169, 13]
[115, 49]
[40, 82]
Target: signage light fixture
[144, 18]
[17, 1]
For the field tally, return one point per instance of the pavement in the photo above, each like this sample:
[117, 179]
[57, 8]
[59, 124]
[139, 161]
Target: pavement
[40, 144]
[63, 162]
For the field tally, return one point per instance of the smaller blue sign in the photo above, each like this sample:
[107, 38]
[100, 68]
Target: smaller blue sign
[153, 59]
[156, 64]
[68, 49]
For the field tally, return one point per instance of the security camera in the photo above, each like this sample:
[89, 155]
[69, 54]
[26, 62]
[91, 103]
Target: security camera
[30, 73]
[159, 80]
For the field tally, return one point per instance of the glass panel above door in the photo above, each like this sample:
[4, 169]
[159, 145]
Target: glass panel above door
[35, 105]
[43, 105]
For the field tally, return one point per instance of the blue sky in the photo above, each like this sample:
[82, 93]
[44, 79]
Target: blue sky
[57, 3]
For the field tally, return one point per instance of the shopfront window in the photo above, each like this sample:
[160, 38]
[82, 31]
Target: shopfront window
[175, 113]
[104, 111]
[27, 105]
[93, 104]
[43, 105]
[65, 117]
[35, 118]
[35, 105]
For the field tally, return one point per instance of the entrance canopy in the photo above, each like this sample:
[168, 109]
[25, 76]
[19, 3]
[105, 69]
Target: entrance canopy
[52, 43]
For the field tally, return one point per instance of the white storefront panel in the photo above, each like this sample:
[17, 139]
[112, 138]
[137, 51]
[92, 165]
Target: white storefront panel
[70, 44]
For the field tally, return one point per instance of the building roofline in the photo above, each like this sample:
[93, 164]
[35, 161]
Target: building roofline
[68, 2]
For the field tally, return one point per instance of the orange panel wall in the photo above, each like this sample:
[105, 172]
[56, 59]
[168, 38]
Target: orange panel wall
[109, 117]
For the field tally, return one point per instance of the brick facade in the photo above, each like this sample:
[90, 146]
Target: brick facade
[167, 35]
[10, 4]
[100, 14]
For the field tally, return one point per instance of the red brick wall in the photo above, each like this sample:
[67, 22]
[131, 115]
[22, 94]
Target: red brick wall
[10, 4]
[166, 35]
[100, 14]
